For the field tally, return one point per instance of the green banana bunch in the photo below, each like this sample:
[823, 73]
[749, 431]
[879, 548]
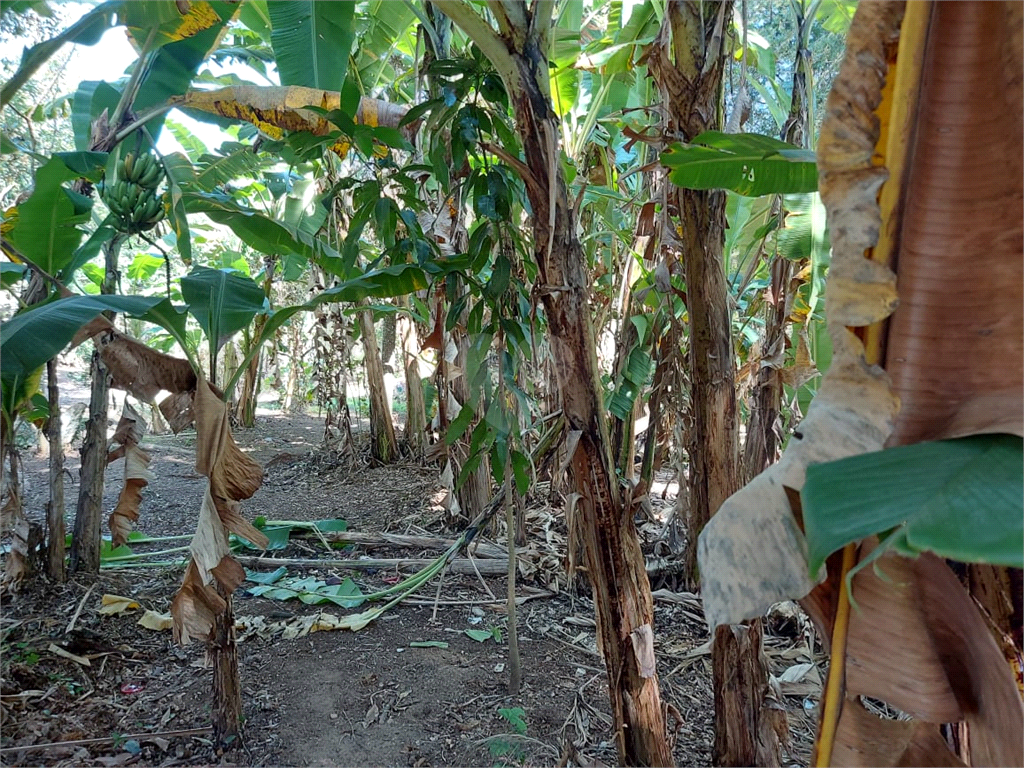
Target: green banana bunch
[132, 197]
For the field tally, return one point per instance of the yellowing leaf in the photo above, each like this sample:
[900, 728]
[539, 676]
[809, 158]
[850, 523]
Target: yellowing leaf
[158, 622]
[111, 605]
[173, 24]
[276, 109]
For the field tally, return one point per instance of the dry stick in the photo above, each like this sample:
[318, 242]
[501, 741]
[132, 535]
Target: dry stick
[462, 566]
[105, 740]
[78, 611]
[472, 561]
[437, 595]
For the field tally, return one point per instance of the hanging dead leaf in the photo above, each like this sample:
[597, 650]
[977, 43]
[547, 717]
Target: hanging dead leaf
[129, 433]
[232, 476]
[866, 740]
[133, 366]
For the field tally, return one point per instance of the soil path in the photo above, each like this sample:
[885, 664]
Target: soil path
[336, 698]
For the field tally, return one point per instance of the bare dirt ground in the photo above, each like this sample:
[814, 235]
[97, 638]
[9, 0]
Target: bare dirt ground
[339, 698]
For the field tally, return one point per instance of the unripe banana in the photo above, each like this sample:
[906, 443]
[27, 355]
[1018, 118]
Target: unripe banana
[152, 177]
[129, 167]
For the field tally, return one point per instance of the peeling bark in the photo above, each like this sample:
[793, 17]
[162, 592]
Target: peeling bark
[383, 444]
[55, 505]
[746, 730]
[622, 595]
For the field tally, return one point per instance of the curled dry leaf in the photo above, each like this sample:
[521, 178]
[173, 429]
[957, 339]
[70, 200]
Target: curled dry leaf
[133, 366]
[864, 739]
[158, 622]
[213, 571]
[129, 433]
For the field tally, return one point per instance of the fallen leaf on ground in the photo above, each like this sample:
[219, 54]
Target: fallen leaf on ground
[156, 621]
[114, 604]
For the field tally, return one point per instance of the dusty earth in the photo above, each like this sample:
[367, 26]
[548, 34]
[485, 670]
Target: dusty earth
[340, 698]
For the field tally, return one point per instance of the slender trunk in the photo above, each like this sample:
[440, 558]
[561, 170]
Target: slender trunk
[624, 430]
[665, 360]
[227, 686]
[246, 409]
[294, 366]
[85, 544]
[622, 595]
[383, 444]
[416, 412]
[764, 431]
[746, 730]
[475, 491]
[515, 670]
[55, 506]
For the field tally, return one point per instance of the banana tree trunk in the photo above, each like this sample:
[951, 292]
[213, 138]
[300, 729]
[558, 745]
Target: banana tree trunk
[383, 444]
[764, 432]
[55, 506]
[85, 544]
[245, 409]
[416, 411]
[622, 596]
[746, 730]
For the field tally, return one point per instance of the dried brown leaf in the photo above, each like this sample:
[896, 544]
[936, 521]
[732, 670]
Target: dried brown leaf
[863, 739]
[955, 348]
[177, 410]
[195, 607]
[137, 476]
[133, 366]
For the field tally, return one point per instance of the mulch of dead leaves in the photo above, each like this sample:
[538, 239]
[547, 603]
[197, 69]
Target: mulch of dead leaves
[81, 687]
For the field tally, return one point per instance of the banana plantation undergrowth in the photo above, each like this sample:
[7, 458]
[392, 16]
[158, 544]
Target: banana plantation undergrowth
[425, 684]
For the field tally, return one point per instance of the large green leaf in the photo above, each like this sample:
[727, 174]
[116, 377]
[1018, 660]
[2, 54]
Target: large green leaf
[91, 98]
[223, 303]
[235, 161]
[34, 336]
[747, 163]
[961, 499]
[179, 175]
[259, 231]
[86, 31]
[312, 40]
[48, 230]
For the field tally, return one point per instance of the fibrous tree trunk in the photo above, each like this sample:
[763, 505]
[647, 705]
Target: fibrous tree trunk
[475, 492]
[416, 412]
[692, 95]
[55, 505]
[383, 444]
[691, 84]
[622, 596]
[85, 544]
[764, 432]
[227, 685]
[331, 344]
[245, 409]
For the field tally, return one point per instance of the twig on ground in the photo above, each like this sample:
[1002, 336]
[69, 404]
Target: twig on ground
[472, 562]
[437, 595]
[78, 611]
[106, 740]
